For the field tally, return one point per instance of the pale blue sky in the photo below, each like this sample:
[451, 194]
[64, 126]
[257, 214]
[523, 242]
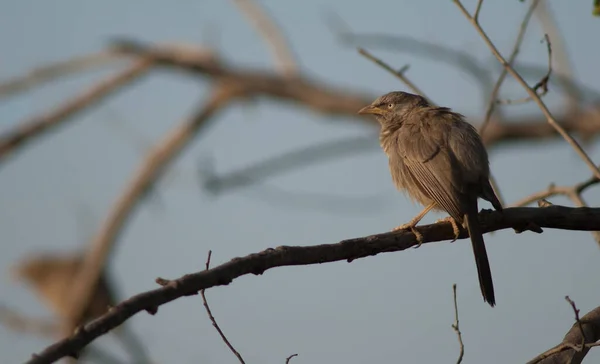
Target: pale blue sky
[379, 309]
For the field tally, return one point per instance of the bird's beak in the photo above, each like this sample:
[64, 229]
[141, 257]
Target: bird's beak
[370, 109]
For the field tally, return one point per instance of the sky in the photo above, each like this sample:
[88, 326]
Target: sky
[57, 191]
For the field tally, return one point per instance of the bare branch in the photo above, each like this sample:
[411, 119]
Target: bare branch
[36, 126]
[563, 67]
[542, 84]
[272, 34]
[50, 72]
[287, 360]
[530, 91]
[585, 330]
[557, 217]
[457, 328]
[511, 60]
[573, 192]
[149, 172]
[212, 318]
[399, 74]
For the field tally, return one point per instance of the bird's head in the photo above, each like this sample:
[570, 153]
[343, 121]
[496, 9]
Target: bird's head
[393, 105]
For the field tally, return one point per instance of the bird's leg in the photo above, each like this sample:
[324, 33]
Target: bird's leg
[412, 223]
[455, 227]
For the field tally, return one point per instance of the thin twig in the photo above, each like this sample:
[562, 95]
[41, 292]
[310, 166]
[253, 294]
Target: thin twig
[399, 74]
[542, 84]
[563, 69]
[572, 192]
[511, 60]
[214, 321]
[457, 328]
[272, 34]
[530, 91]
[287, 360]
[578, 321]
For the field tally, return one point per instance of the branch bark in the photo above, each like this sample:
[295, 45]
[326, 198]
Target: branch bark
[557, 217]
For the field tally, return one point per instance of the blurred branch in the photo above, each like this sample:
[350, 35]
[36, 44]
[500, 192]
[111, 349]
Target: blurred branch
[48, 73]
[291, 160]
[20, 323]
[532, 93]
[556, 217]
[399, 74]
[309, 93]
[149, 172]
[585, 330]
[437, 52]
[272, 34]
[36, 126]
[26, 325]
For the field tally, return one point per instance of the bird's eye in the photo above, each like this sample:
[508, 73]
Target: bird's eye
[390, 106]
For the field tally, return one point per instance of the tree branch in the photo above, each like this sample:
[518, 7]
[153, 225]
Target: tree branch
[532, 93]
[266, 26]
[557, 217]
[585, 330]
[36, 126]
[144, 179]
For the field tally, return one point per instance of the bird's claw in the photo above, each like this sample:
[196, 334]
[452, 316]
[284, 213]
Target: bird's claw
[411, 227]
[455, 228]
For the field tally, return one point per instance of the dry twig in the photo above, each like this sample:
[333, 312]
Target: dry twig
[583, 335]
[398, 73]
[572, 192]
[515, 51]
[532, 93]
[542, 83]
[212, 318]
[558, 217]
[457, 328]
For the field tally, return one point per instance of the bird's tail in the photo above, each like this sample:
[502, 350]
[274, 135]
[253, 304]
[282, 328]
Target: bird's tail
[481, 259]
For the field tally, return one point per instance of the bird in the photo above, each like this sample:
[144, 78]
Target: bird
[438, 159]
[51, 275]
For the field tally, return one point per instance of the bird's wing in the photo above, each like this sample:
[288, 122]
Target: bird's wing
[433, 166]
[470, 153]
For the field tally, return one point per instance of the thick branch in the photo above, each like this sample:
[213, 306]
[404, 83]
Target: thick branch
[557, 217]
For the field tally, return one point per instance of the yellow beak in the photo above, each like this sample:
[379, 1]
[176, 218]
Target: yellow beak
[370, 109]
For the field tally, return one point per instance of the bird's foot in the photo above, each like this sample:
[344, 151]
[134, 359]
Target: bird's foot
[411, 227]
[455, 227]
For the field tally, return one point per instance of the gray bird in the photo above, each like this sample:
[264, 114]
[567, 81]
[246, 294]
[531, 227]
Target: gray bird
[439, 160]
